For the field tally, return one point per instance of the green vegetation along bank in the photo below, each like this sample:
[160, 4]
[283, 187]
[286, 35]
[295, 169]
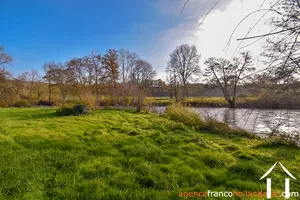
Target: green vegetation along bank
[245, 102]
[113, 154]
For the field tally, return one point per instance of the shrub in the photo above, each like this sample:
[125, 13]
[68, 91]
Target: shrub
[91, 104]
[179, 113]
[64, 110]
[81, 109]
[73, 102]
[108, 101]
[127, 101]
[45, 103]
[22, 104]
[34, 102]
[3, 104]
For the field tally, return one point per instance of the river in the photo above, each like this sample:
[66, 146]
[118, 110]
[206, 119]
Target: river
[262, 122]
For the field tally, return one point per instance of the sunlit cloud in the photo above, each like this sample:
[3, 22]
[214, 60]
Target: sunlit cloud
[212, 37]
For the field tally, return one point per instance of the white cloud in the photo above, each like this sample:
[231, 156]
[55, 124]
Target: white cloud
[213, 35]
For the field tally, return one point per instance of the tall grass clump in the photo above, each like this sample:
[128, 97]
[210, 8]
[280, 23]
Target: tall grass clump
[182, 114]
[214, 126]
[189, 117]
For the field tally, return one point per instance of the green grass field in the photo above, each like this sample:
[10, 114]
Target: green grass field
[124, 155]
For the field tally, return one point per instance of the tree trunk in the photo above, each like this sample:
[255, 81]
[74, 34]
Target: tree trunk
[171, 95]
[50, 91]
[176, 93]
[232, 104]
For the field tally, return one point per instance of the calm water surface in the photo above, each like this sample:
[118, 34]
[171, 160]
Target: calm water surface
[259, 121]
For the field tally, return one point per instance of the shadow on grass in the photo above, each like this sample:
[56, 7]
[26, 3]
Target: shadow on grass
[39, 115]
[45, 115]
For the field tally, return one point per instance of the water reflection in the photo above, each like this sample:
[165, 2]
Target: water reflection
[259, 121]
[230, 116]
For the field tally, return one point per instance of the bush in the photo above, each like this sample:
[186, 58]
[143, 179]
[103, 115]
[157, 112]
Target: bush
[22, 104]
[81, 110]
[127, 100]
[45, 103]
[179, 113]
[3, 104]
[108, 101]
[64, 110]
[34, 102]
[73, 102]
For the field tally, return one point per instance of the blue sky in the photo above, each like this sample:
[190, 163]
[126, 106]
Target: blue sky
[36, 31]
[39, 31]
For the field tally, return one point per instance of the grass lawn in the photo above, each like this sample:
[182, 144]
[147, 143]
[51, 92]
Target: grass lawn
[123, 155]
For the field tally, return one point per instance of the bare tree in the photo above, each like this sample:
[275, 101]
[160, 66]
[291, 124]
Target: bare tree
[283, 45]
[127, 61]
[184, 64]
[142, 73]
[6, 86]
[229, 75]
[81, 71]
[48, 68]
[32, 79]
[60, 76]
[284, 49]
[172, 85]
[4, 58]
[95, 61]
[4, 75]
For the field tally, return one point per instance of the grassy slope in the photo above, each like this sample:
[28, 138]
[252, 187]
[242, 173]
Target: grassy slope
[123, 155]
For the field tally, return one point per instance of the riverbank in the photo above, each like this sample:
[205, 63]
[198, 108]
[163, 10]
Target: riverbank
[114, 154]
[217, 102]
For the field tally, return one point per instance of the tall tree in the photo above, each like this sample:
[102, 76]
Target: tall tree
[48, 68]
[127, 61]
[172, 85]
[32, 79]
[184, 64]
[60, 76]
[229, 75]
[5, 84]
[4, 58]
[142, 73]
[111, 67]
[96, 73]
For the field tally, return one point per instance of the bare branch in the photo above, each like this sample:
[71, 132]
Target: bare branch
[268, 34]
[208, 13]
[187, 1]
